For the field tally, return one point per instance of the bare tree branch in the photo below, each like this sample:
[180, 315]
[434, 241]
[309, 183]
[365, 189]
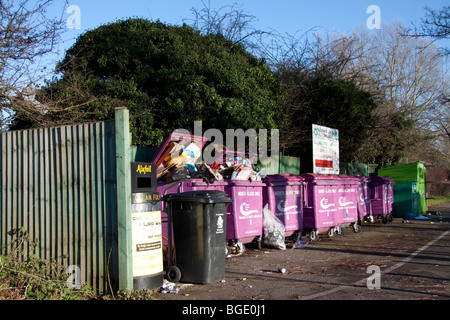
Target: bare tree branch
[230, 21]
[435, 25]
[27, 33]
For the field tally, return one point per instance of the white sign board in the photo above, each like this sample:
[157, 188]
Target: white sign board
[147, 243]
[325, 149]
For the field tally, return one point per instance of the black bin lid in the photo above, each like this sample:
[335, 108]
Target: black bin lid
[202, 196]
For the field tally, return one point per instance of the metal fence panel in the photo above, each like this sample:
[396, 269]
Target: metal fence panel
[59, 184]
[289, 165]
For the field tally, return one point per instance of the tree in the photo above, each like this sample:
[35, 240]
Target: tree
[168, 77]
[324, 101]
[435, 24]
[229, 21]
[408, 80]
[411, 84]
[27, 35]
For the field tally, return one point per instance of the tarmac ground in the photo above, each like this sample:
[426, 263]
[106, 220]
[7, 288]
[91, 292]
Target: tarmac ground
[400, 260]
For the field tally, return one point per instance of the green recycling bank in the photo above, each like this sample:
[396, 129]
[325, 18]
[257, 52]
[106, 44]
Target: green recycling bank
[409, 188]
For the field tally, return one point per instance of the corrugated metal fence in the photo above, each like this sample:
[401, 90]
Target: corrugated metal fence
[279, 164]
[289, 165]
[59, 185]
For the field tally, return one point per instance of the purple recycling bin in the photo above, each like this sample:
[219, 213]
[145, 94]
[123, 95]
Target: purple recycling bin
[321, 204]
[200, 184]
[381, 197]
[364, 211]
[284, 195]
[347, 204]
[245, 214]
[390, 191]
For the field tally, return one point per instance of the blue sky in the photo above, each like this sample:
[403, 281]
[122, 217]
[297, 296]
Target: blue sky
[284, 16]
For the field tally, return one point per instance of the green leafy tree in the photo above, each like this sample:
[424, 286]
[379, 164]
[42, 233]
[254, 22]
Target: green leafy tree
[333, 103]
[168, 77]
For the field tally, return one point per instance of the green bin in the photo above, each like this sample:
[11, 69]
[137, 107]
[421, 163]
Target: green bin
[409, 188]
[406, 199]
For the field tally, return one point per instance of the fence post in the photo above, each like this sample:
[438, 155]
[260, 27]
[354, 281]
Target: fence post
[125, 254]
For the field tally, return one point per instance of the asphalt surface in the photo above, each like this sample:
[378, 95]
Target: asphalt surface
[401, 260]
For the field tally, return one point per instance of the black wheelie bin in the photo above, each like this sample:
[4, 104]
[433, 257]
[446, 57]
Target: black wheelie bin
[199, 227]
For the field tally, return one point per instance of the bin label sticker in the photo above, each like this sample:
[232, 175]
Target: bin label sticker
[324, 203]
[343, 202]
[244, 209]
[361, 198]
[219, 228]
[249, 193]
[281, 206]
[147, 243]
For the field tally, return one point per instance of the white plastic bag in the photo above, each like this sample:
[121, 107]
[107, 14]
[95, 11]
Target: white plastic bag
[300, 243]
[273, 230]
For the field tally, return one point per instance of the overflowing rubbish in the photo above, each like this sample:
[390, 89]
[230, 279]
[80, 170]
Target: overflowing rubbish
[179, 158]
[273, 236]
[422, 218]
[169, 287]
[300, 243]
[281, 270]
[408, 216]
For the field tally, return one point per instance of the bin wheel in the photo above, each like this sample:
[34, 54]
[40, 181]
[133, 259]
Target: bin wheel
[384, 219]
[314, 235]
[240, 247]
[330, 232]
[339, 230]
[356, 227]
[390, 217]
[173, 274]
[258, 243]
[296, 235]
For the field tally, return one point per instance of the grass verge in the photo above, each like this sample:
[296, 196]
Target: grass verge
[438, 200]
[26, 277]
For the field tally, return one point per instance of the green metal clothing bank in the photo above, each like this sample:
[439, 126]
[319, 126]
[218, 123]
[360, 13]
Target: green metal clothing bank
[409, 188]
[69, 188]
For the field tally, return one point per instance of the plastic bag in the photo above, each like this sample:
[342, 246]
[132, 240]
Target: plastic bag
[300, 243]
[273, 230]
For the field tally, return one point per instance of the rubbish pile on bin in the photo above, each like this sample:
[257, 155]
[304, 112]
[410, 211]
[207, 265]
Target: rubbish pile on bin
[177, 158]
[305, 204]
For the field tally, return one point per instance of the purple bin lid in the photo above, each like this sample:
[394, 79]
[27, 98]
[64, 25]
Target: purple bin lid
[319, 176]
[285, 178]
[382, 179]
[349, 179]
[245, 183]
[363, 178]
[182, 138]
